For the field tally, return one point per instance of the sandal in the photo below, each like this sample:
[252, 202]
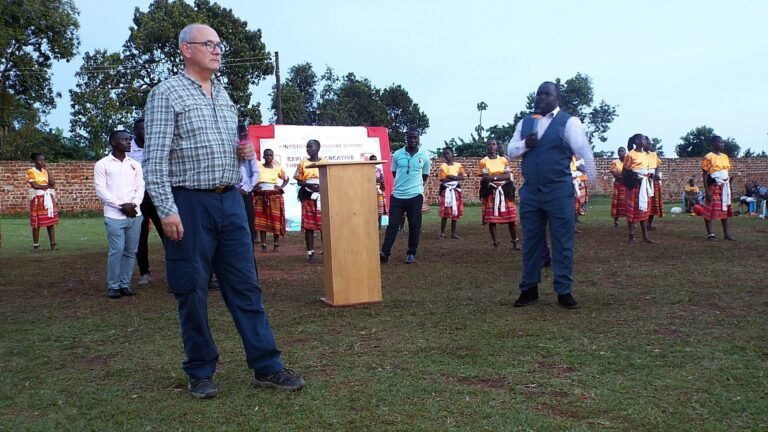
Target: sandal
[36, 247]
[442, 236]
[53, 246]
[263, 247]
[516, 244]
[276, 248]
[711, 237]
[496, 246]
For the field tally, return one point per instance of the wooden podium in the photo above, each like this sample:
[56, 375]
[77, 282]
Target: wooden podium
[351, 268]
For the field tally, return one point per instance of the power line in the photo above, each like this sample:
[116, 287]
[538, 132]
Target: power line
[241, 61]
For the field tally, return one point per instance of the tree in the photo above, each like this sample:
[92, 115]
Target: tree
[33, 34]
[657, 146]
[473, 147]
[347, 101]
[697, 143]
[151, 54]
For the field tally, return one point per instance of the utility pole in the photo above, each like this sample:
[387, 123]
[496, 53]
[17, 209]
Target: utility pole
[278, 90]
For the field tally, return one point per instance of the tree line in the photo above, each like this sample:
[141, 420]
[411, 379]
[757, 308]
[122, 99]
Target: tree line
[112, 87]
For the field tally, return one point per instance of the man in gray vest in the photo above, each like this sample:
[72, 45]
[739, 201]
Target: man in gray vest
[546, 140]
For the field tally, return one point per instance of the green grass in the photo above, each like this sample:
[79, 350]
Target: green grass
[669, 337]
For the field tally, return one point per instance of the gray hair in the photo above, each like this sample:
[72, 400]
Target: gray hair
[185, 35]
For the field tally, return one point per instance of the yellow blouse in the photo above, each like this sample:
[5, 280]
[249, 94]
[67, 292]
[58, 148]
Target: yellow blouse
[39, 177]
[617, 166]
[636, 160]
[271, 175]
[451, 170]
[575, 167]
[497, 166]
[691, 189]
[653, 160]
[714, 162]
[303, 173]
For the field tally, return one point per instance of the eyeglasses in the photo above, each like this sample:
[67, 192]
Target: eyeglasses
[210, 45]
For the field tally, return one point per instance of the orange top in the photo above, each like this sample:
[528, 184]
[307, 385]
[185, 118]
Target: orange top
[303, 173]
[617, 166]
[494, 167]
[451, 170]
[653, 160]
[636, 160]
[715, 162]
[39, 177]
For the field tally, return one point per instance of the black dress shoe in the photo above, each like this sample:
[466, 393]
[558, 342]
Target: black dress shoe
[528, 297]
[383, 258]
[127, 292]
[567, 301]
[113, 294]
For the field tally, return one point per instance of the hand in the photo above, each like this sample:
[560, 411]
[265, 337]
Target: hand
[245, 152]
[315, 188]
[172, 227]
[278, 188]
[531, 141]
[242, 192]
[129, 209]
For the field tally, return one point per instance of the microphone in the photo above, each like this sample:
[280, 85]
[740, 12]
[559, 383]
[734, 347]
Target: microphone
[536, 118]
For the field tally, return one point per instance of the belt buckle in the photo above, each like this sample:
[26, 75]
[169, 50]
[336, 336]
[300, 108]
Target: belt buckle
[220, 189]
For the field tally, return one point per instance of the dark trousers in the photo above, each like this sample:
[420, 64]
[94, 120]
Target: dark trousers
[149, 212]
[537, 210]
[412, 208]
[250, 214]
[216, 239]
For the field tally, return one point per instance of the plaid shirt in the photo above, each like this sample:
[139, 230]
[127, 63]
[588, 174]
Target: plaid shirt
[191, 140]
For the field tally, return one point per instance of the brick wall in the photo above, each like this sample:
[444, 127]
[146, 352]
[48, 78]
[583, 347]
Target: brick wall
[76, 194]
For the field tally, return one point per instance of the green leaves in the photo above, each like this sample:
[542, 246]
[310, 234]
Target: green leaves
[696, 143]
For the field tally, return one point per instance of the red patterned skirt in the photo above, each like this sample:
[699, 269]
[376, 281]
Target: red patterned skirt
[580, 202]
[447, 212]
[38, 214]
[311, 217]
[657, 202]
[269, 210]
[509, 215]
[714, 209]
[381, 203]
[617, 201]
[632, 206]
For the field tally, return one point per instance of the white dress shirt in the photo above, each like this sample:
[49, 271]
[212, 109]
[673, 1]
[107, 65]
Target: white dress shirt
[118, 182]
[574, 136]
[136, 153]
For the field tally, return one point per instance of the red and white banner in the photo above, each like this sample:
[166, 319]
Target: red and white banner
[337, 143]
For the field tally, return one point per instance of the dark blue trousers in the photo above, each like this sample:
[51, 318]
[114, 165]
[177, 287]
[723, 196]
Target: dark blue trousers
[216, 238]
[411, 207]
[537, 210]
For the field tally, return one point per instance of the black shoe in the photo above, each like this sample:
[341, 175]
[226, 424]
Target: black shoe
[113, 294]
[410, 259]
[383, 258]
[528, 297]
[567, 301]
[284, 379]
[546, 262]
[202, 388]
[127, 292]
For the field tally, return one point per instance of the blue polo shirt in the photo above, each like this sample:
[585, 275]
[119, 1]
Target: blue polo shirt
[408, 171]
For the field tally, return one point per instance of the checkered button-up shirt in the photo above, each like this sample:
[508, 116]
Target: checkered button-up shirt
[191, 140]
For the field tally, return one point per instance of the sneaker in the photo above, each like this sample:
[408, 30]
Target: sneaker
[528, 297]
[202, 388]
[113, 293]
[127, 292]
[284, 379]
[383, 258]
[213, 284]
[144, 279]
[567, 301]
[410, 259]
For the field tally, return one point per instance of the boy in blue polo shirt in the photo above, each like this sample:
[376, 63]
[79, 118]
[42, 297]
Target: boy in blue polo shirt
[410, 167]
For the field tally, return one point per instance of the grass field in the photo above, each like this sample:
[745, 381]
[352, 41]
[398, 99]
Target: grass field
[669, 337]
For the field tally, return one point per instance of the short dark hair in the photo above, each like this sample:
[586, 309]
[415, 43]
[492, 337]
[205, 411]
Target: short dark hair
[314, 142]
[115, 132]
[715, 138]
[34, 156]
[555, 85]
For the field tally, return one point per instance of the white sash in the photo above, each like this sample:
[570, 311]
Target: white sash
[576, 182]
[499, 203]
[450, 196]
[721, 178]
[645, 193]
[314, 195]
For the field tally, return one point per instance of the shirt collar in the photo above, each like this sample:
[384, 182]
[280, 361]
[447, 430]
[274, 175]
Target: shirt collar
[553, 113]
[214, 81]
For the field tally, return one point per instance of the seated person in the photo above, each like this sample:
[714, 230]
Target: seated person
[691, 195]
[752, 190]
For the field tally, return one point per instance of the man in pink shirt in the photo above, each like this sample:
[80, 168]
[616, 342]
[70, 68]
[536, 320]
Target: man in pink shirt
[119, 183]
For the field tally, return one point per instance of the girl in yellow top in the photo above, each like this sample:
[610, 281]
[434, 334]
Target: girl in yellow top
[691, 192]
[581, 195]
[497, 193]
[617, 199]
[717, 200]
[657, 202]
[635, 174]
[268, 201]
[451, 201]
[308, 180]
[43, 209]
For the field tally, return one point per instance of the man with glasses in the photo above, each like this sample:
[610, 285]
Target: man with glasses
[410, 166]
[191, 163]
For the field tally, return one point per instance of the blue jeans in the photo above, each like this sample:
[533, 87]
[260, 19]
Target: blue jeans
[216, 238]
[123, 237]
[537, 210]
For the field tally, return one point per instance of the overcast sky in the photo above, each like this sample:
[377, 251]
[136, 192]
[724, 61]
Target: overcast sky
[669, 65]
